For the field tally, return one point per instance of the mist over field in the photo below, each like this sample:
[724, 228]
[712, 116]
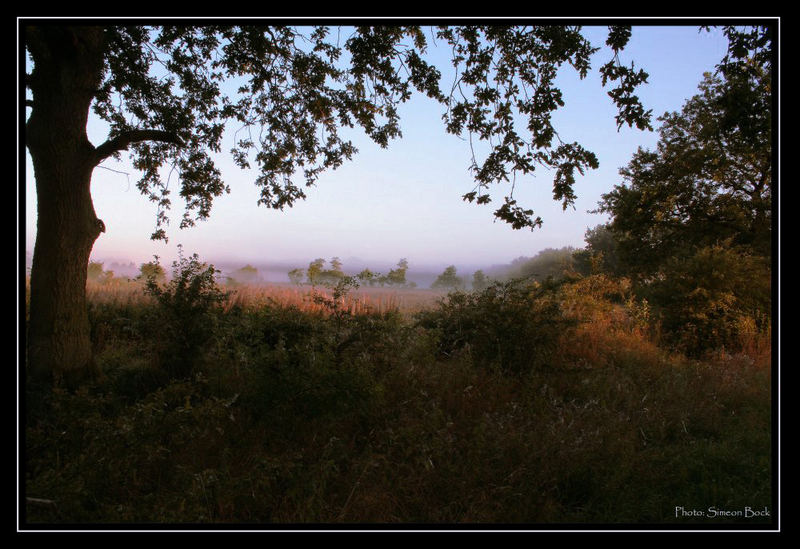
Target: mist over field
[277, 272]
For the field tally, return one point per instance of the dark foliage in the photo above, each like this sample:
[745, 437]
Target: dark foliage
[513, 326]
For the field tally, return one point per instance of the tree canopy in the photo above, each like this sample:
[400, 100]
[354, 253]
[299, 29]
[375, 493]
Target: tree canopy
[165, 92]
[449, 279]
[709, 179]
[692, 222]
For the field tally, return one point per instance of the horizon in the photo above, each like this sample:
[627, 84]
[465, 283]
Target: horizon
[277, 271]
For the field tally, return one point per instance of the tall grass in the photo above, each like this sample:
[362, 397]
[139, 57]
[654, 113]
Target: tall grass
[363, 300]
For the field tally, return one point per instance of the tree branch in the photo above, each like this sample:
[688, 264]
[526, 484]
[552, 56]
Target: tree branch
[123, 140]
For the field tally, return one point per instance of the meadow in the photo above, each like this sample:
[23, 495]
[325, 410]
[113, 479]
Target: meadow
[526, 404]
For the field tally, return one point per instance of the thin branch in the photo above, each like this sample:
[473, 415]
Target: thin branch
[126, 174]
[123, 140]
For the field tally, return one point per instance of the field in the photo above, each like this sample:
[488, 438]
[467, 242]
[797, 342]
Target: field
[530, 407]
[359, 301]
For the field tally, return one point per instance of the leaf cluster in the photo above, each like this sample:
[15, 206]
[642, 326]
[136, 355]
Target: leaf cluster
[504, 94]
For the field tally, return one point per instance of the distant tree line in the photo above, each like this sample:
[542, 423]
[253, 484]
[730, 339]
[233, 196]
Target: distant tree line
[317, 275]
[98, 274]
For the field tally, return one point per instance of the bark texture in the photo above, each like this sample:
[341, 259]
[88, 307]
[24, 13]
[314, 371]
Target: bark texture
[68, 65]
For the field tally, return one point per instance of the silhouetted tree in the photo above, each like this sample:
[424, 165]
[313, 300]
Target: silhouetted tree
[692, 223]
[600, 253]
[709, 179]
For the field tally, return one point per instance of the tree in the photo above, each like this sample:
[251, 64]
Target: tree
[697, 209]
[152, 270]
[479, 281]
[366, 276]
[333, 275]
[314, 272]
[448, 280]
[600, 253]
[160, 89]
[245, 275]
[296, 276]
[703, 184]
[94, 271]
[397, 277]
[185, 315]
[336, 265]
[549, 262]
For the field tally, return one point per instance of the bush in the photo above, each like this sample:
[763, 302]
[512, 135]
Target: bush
[705, 298]
[186, 319]
[511, 325]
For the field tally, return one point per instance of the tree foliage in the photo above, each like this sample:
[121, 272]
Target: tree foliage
[479, 280]
[172, 94]
[513, 326]
[164, 93]
[505, 75]
[152, 270]
[449, 279]
[548, 263]
[692, 223]
[96, 273]
[708, 180]
[600, 253]
[185, 316]
[296, 276]
[397, 277]
[244, 275]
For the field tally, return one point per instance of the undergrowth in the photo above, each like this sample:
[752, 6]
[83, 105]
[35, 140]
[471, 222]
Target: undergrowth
[520, 404]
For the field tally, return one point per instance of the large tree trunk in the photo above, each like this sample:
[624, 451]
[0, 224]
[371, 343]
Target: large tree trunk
[67, 71]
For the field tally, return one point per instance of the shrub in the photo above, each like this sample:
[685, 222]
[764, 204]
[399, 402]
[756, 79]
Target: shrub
[512, 325]
[186, 318]
[705, 298]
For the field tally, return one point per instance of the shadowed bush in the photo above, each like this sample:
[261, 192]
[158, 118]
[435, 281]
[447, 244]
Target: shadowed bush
[186, 318]
[513, 326]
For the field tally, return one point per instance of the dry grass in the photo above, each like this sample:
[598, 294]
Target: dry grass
[360, 301]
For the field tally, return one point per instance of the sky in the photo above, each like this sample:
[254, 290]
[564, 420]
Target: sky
[405, 201]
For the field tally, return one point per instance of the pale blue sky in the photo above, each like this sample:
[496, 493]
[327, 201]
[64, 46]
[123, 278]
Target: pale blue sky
[405, 201]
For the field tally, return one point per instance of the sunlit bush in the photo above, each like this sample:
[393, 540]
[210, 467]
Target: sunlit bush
[711, 299]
